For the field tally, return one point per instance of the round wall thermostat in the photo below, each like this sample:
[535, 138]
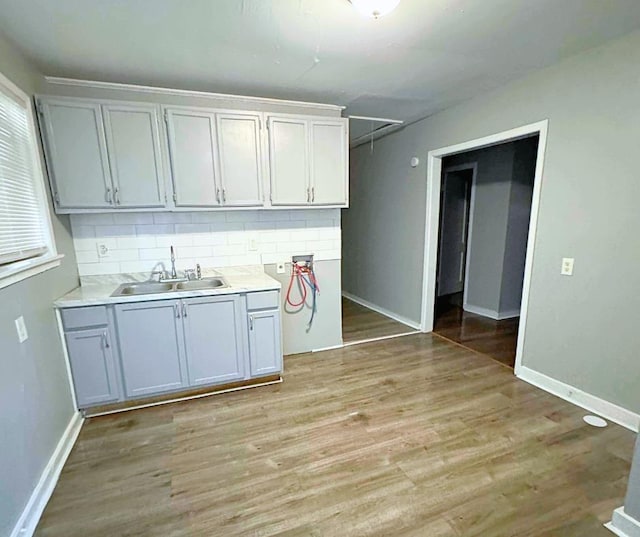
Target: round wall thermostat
[414, 162]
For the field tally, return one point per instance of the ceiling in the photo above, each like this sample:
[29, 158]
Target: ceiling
[425, 56]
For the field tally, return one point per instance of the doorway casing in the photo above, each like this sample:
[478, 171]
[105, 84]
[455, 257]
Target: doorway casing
[432, 220]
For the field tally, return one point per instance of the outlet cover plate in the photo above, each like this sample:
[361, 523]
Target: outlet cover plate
[21, 328]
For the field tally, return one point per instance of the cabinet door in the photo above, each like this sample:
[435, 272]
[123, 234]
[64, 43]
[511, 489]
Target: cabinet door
[264, 343]
[133, 143]
[289, 161]
[329, 164]
[192, 143]
[151, 347]
[213, 336]
[240, 159]
[76, 153]
[92, 366]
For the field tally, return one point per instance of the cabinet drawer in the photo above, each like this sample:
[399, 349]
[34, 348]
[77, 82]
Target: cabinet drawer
[83, 317]
[262, 300]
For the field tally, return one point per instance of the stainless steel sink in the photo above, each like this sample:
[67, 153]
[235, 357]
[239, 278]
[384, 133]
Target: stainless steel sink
[152, 288]
[146, 288]
[196, 285]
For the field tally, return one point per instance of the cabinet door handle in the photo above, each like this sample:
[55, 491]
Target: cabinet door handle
[224, 195]
[117, 195]
[184, 309]
[175, 307]
[218, 195]
[313, 193]
[105, 340]
[250, 322]
[308, 194]
[109, 198]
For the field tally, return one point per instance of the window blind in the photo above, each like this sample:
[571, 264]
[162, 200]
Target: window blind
[22, 229]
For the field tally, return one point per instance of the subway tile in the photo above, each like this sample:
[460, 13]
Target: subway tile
[241, 216]
[155, 229]
[157, 254]
[133, 218]
[268, 248]
[115, 231]
[292, 224]
[196, 251]
[172, 218]
[137, 266]
[289, 246]
[208, 217]
[83, 232]
[166, 241]
[209, 239]
[100, 219]
[230, 249]
[146, 241]
[316, 246]
[237, 237]
[98, 269]
[87, 256]
[273, 216]
[192, 228]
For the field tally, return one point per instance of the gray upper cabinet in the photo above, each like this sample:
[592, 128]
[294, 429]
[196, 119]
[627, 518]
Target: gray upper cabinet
[308, 161]
[214, 339]
[192, 150]
[329, 162]
[76, 153]
[133, 145]
[102, 156]
[92, 366]
[240, 159]
[289, 161]
[151, 347]
[264, 343]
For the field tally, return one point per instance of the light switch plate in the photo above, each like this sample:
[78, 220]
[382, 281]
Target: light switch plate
[21, 328]
[567, 266]
[253, 243]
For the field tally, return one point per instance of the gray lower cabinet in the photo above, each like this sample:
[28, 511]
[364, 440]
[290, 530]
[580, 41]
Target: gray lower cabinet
[141, 349]
[151, 347]
[264, 343]
[92, 366]
[213, 329]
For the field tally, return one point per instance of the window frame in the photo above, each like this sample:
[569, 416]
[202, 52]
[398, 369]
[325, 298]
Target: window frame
[19, 270]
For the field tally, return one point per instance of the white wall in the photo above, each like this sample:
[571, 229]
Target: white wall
[581, 330]
[137, 241]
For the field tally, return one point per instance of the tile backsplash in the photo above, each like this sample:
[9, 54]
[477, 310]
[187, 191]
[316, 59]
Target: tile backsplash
[136, 242]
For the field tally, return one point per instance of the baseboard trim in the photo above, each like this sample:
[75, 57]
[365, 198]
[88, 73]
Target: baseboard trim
[606, 409]
[623, 525]
[26, 525]
[381, 311]
[492, 314]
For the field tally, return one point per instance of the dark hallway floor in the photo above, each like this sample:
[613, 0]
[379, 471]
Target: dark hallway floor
[496, 339]
[362, 324]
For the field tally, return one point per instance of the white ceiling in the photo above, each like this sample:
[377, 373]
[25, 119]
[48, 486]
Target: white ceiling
[425, 56]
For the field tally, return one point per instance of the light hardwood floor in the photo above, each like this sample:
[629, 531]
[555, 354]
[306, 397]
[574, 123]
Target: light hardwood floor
[361, 324]
[411, 437]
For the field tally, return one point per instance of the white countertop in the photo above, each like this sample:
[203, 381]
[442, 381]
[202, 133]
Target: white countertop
[239, 280]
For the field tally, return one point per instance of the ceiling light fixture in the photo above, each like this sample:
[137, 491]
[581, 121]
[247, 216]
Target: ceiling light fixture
[375, 8]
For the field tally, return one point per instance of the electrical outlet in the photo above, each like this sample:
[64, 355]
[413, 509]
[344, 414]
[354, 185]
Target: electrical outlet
[103, 250]
[567, 266]
[21, 328]
[281, 267]
[253, 243]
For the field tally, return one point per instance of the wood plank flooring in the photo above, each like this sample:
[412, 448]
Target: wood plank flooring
[361, 324]
[410, 437]
[497, 339]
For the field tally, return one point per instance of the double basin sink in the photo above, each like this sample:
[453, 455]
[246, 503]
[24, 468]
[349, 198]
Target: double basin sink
[153, 288]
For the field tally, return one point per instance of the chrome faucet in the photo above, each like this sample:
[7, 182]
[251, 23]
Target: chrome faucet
[174, 274]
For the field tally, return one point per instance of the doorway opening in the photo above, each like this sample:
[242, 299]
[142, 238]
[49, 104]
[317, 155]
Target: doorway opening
[481, 222]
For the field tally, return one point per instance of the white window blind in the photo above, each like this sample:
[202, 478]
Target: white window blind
[22, 226]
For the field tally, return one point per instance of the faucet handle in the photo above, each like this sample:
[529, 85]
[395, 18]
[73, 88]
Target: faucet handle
[159, 273]
[198, 271]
